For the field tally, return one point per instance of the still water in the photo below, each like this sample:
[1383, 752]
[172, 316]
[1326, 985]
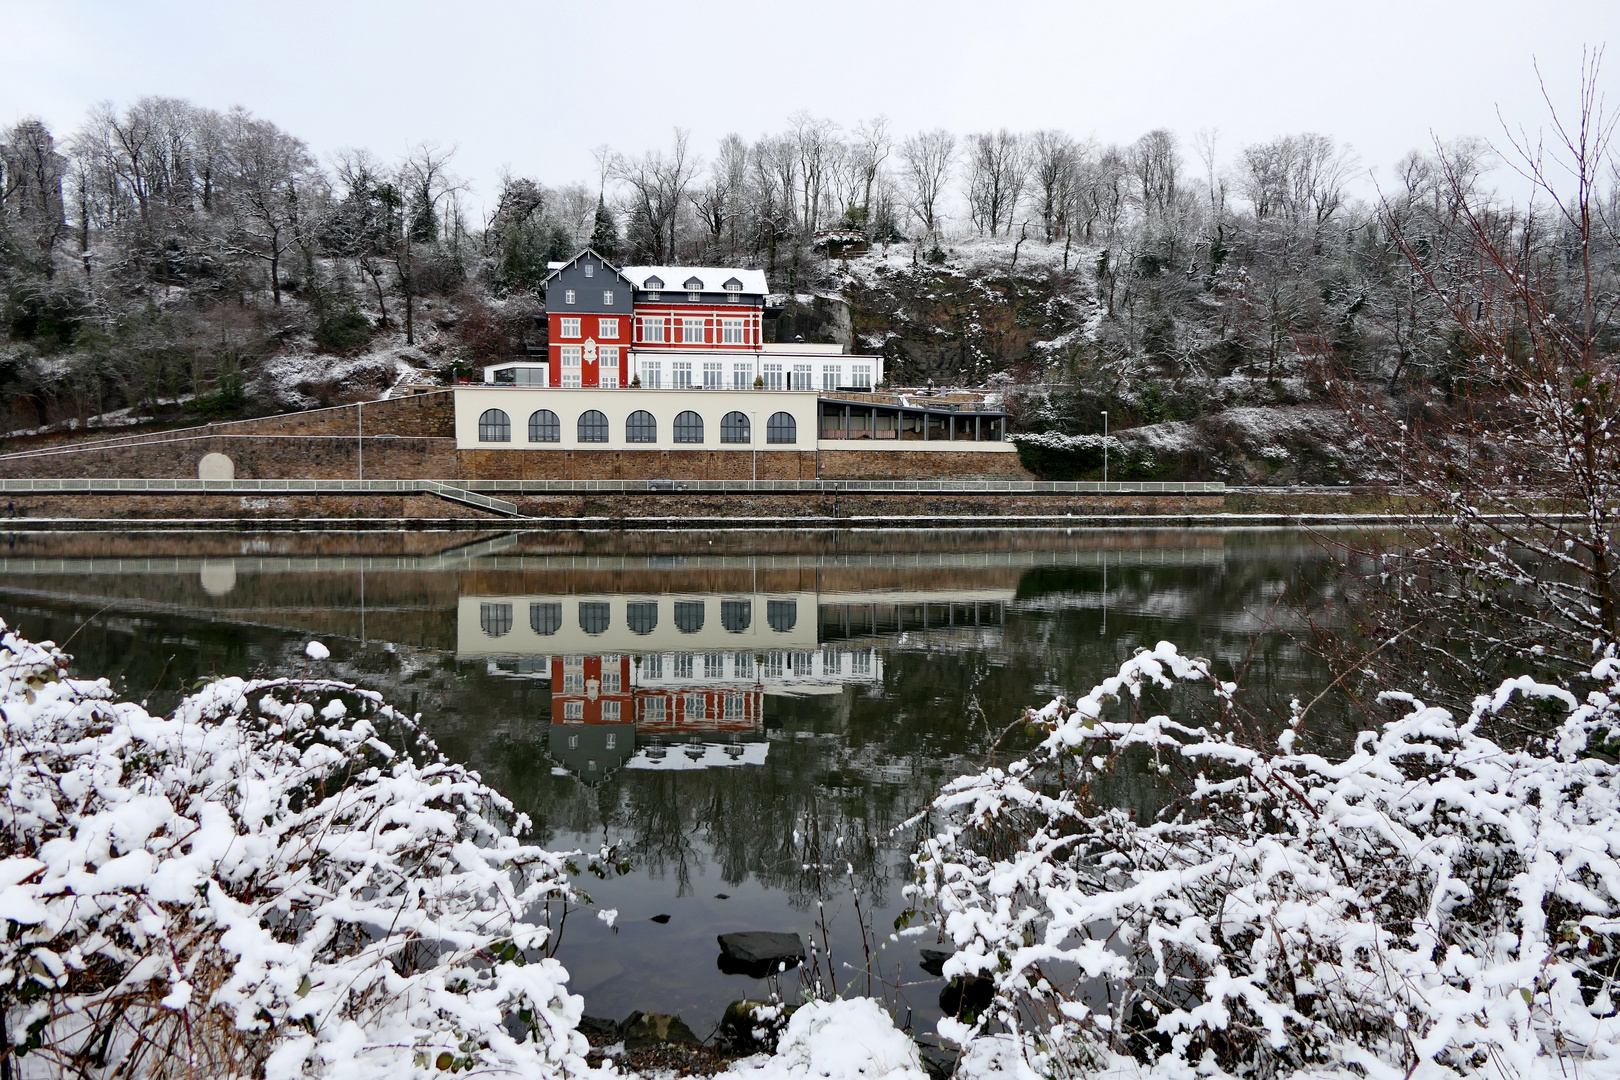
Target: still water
[748, 716]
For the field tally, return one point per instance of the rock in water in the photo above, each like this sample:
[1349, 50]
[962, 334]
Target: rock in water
[598, 1026]
[758, 953]
[652, 1029]
[933, 960]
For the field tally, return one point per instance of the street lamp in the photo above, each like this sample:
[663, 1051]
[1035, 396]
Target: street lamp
[1105, 448]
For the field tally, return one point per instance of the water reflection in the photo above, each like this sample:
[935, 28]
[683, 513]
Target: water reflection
[737, 710]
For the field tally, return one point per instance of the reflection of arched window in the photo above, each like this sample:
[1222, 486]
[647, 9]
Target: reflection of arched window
[688, 616]
[544, 426]
[593, 426]
[736, 615]
[734, 428]
[494, 426]
[642, 617]
[689, 427]
[782, 614]
[495, 619]
[593, 616]
[641, 427]
[781, 429]
[545, 619]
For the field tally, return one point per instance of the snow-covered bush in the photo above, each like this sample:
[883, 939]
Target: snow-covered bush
[1429, 904]
[1054, 456]
[281, 878]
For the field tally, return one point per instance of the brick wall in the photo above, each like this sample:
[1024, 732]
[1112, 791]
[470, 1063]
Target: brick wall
[257, 457]
[895, 509]
[634, 464]
[913, 464]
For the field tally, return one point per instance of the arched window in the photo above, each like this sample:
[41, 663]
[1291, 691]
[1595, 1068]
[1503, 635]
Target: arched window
[593, 426]
[734, 428]
[640, 426]
[689, 427]
[688, 616]
[782, 428]
[736, 615]
[494, 426]
[594, 616]
[544, 426]
[642, 617]
[495, 619]
[545, 619]
[782, 614]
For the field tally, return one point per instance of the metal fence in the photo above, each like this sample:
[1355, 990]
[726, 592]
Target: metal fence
[470, 490]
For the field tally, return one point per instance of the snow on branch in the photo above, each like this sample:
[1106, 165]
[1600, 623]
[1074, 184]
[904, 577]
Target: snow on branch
[281, 878]
[1432, 904]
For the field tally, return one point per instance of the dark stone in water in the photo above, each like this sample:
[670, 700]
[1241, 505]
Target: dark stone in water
[933, 961]
[937, 1058]
[966, 998]
[759, 953]
[653, 1029]
[722, 896]
[659, 919]
[599, 1026]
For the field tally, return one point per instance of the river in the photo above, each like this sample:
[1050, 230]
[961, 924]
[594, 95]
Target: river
[748, 715]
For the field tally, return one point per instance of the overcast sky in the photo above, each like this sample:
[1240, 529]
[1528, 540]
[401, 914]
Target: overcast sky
[535, 86]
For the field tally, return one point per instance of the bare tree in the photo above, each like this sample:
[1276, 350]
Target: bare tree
[927, 160]
[32, 213]
[815, 143]
[1054, 171]
[270, 172]
[657, 185]
[998, 167]
[1517, 557]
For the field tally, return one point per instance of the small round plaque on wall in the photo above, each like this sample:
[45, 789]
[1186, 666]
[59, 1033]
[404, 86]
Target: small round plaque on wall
[216, 467]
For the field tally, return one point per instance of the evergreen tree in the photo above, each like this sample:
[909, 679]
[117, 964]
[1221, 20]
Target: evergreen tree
[605, 236]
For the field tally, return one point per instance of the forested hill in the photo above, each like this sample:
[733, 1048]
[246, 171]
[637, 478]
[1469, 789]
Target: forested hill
[167, 263]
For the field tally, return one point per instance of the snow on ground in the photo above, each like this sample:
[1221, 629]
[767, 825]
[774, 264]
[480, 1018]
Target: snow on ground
[853, 1039]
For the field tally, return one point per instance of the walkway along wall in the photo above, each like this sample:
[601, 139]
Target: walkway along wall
[413, 438]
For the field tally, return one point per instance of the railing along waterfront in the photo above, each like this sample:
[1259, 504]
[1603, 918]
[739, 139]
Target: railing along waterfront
[460, 489]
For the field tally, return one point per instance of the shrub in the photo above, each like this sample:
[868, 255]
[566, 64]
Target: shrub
[1431, 904]
[281, 878]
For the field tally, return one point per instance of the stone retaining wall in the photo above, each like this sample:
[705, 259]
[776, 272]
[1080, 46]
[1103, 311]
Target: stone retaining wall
[895, 509]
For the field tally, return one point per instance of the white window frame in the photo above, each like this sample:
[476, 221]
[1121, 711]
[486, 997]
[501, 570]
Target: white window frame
[652, 329]
[568, 296]
[610, 715]
[801, 377]
[862, 376]
[573, 710]
[607, 297]
[612, 682]
[686, 329]
[831, 375]
[733, 331]
[651, 375]
[607, 367]
[772, 373]
[569, 327]
[607, 329]
[590, 269]
[714, 374]
[694, 297]
[742, 376]
[681, 376]
[573, 359]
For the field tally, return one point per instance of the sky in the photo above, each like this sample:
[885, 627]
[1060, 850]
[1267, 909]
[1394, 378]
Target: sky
[535, 87]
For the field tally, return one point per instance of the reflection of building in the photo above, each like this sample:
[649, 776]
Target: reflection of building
[679, 681]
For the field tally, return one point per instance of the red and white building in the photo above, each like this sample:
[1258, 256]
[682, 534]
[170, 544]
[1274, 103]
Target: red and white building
[672, 328]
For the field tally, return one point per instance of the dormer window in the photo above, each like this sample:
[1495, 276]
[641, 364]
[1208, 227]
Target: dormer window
[693, 284]
[590, 269]
[653, 284]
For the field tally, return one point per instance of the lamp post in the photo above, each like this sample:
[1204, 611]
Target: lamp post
[1105, 448]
